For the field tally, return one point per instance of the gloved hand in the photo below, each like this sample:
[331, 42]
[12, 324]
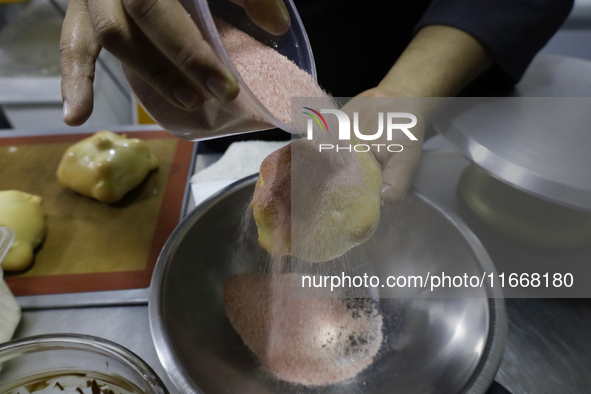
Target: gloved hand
[397, 167]
[157, 40]
[438, 63]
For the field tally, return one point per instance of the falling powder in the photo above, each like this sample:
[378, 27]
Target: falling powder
[309, 341]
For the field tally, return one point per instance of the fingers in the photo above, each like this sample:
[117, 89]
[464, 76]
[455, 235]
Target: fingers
[79, 50]
[270, 15]
[399, 168]
[117, 33]
[396, 176]
[173, 32]
[158, 41]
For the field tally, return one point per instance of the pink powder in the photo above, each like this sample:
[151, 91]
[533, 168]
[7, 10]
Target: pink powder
[273, 78]
[309, 341]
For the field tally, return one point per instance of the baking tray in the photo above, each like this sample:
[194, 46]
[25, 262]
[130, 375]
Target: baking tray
[71, 278]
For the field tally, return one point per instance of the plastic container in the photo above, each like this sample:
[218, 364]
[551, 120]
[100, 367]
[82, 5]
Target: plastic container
[246, 113]
[6, 240]
[74, 360]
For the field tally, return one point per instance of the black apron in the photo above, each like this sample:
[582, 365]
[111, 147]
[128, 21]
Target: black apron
[356, 43]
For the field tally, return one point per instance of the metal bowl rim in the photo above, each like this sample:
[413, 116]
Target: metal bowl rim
[481, 378]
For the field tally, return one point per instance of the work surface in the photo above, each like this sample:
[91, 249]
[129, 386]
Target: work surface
[549, 341]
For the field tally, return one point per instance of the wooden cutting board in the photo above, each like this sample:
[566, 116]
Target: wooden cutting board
[92, 246]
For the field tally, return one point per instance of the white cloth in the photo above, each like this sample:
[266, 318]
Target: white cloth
[241, 159]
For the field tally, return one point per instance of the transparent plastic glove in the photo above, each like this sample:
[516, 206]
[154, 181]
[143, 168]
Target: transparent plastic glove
[10, 312]
[397, 168]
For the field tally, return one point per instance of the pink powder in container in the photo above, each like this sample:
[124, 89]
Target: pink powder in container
[271, 77]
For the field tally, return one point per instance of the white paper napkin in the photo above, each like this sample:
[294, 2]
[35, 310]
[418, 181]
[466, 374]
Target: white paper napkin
[241, 159]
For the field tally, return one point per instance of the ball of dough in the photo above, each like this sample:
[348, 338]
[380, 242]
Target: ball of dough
[523, 216]
[22, 213]
[316, 205]
[106, 166]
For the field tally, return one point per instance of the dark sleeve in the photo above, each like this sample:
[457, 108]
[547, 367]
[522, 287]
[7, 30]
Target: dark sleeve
[513, 31]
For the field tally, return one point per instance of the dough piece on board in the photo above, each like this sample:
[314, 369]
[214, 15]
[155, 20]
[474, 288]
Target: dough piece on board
[314, 206]
[22, 213]
[106, 166]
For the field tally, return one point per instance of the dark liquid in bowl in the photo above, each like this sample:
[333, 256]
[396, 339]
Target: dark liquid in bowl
[68, 382]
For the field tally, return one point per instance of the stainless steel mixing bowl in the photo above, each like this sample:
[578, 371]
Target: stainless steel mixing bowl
[435, 346]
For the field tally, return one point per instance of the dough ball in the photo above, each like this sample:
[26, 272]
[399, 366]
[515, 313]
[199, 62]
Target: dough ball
[316, 205]
[523, 216]
[22, 213]
[106, 166]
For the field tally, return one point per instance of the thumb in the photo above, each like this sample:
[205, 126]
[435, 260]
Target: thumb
[79, 50]
[397, 174]
[270, 15]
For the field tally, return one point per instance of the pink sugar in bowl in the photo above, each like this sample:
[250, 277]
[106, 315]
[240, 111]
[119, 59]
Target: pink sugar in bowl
[256, 107]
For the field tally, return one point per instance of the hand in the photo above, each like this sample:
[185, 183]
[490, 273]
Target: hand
[157, 40]
[438, 63]
[397, 168]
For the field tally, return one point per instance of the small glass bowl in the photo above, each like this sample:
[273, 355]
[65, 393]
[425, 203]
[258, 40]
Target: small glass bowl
[32, 362]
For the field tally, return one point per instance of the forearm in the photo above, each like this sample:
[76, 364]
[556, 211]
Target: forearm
[438, 62]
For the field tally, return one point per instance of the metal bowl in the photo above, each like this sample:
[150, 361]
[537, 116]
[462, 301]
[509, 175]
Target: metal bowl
[447, 345]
